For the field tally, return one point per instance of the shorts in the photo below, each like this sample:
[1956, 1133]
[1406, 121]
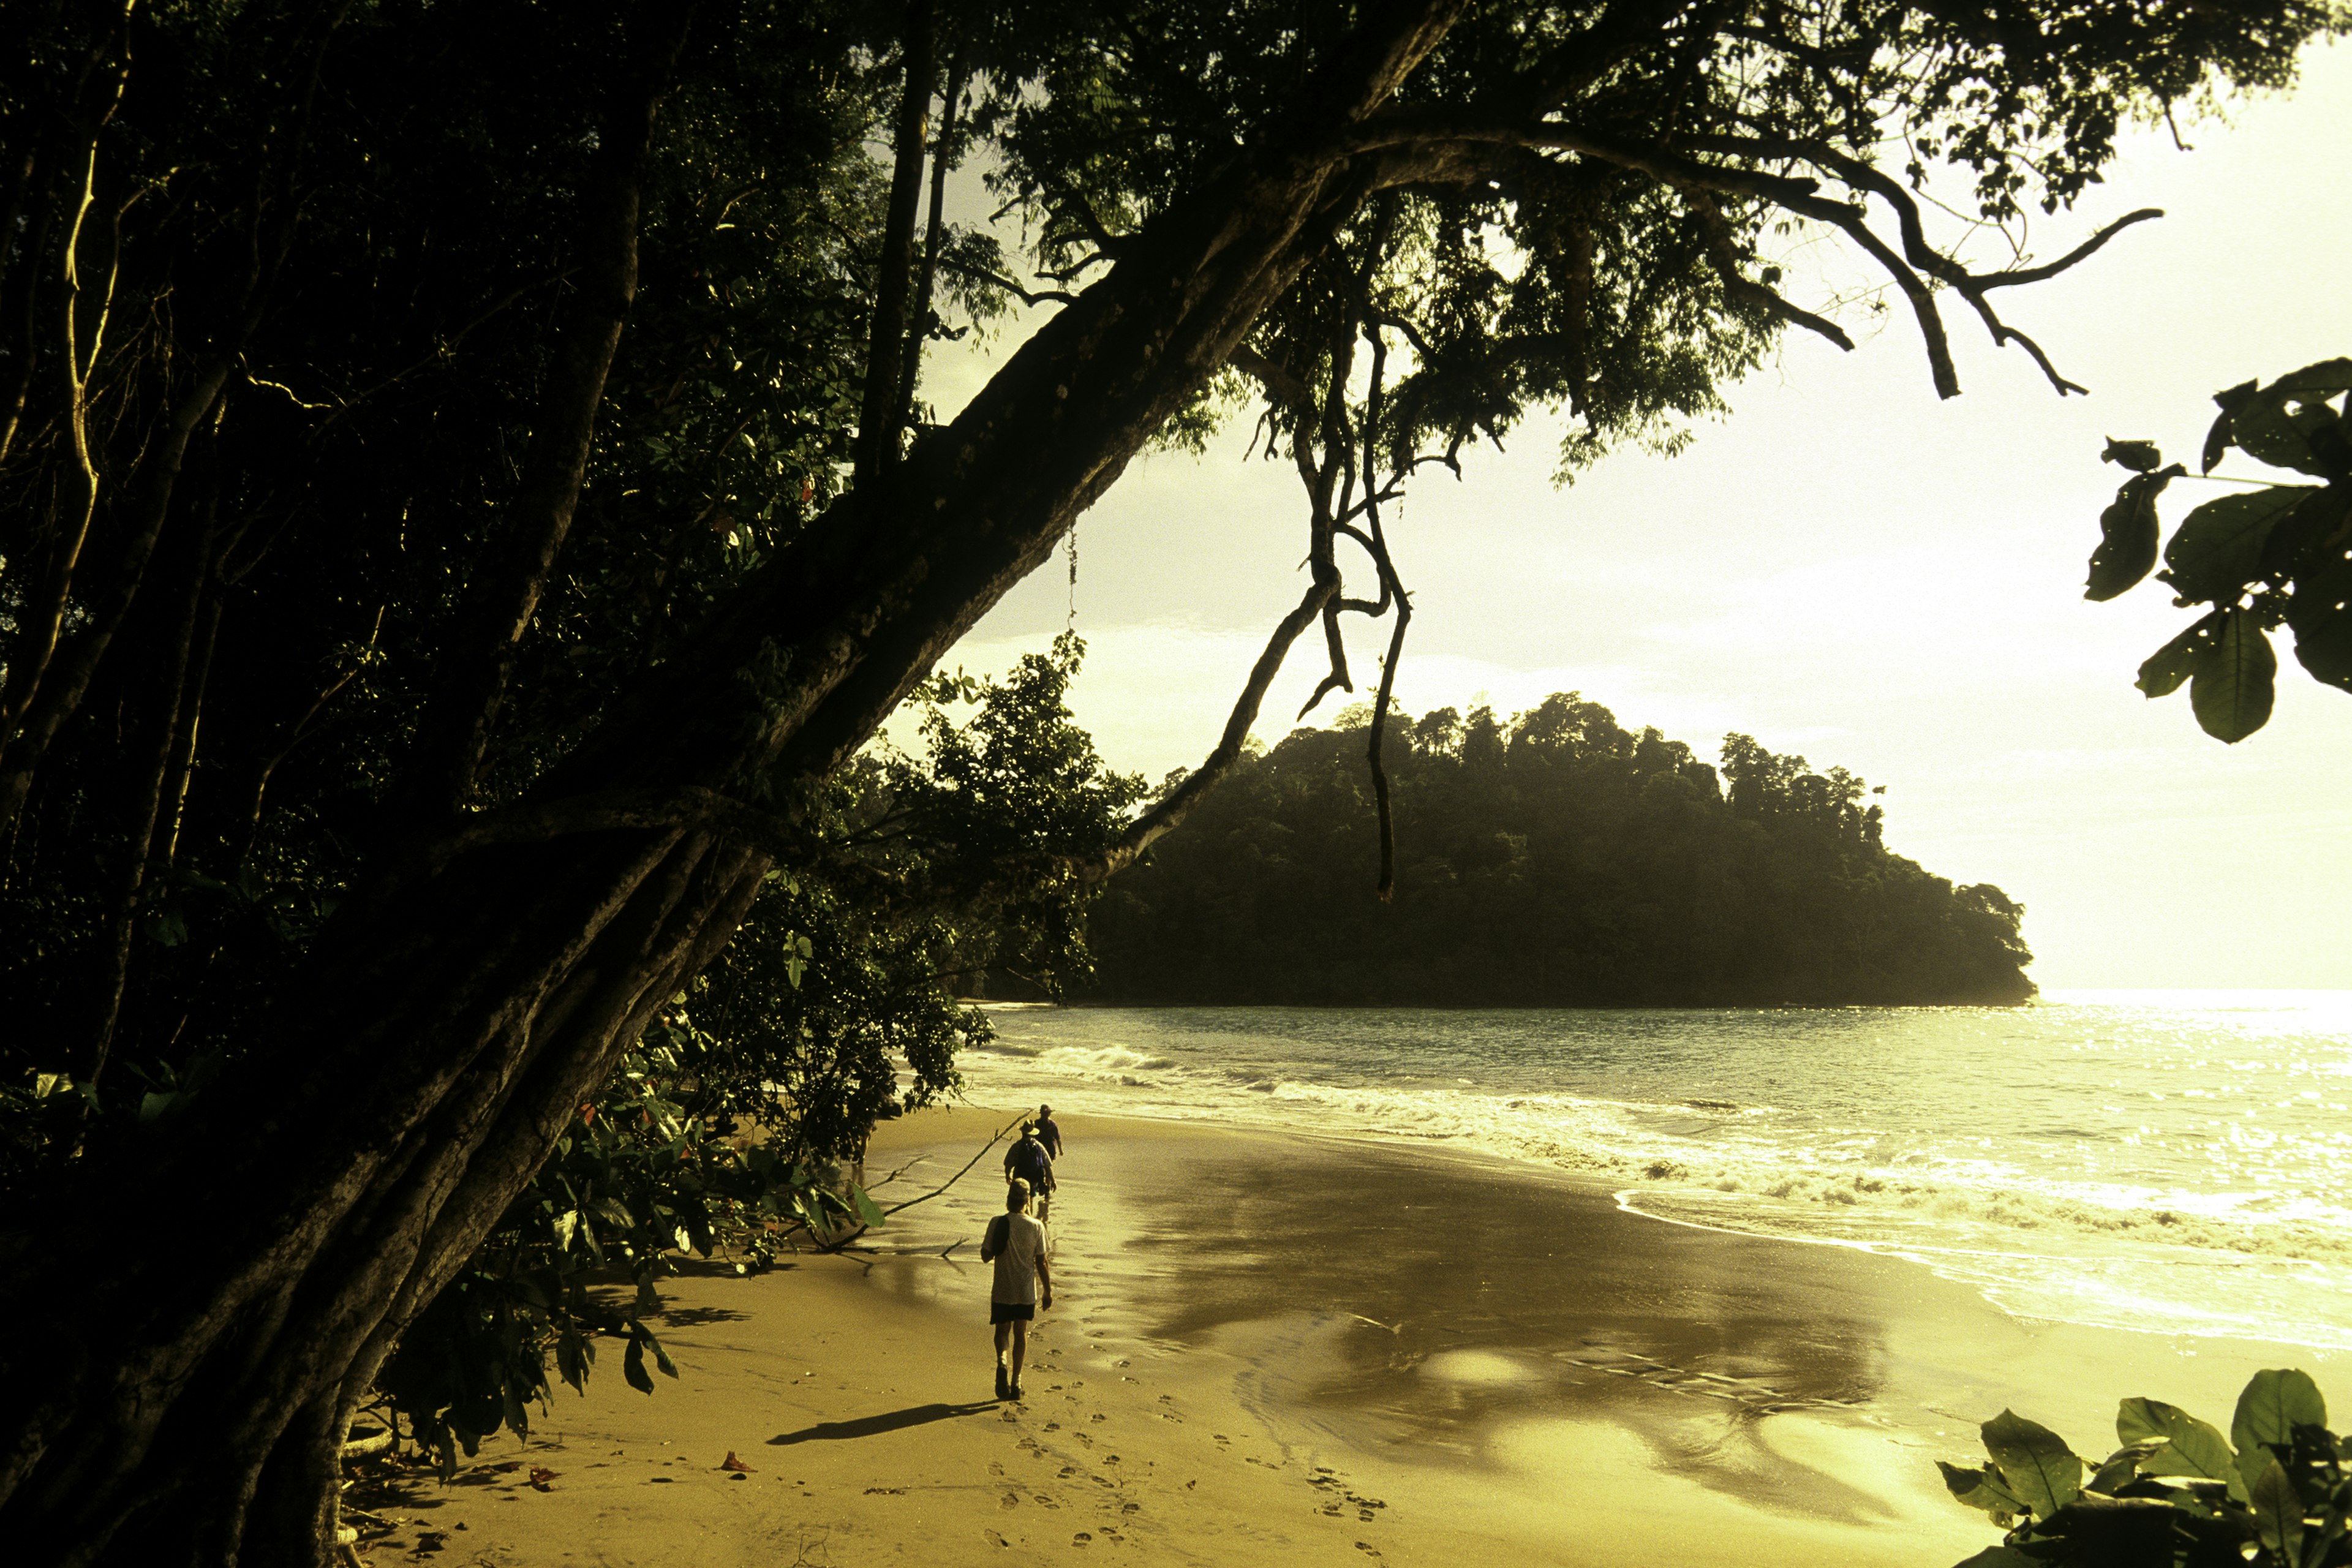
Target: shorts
[1012, 1312]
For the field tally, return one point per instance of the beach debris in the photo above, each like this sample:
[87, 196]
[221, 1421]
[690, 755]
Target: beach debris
[731, 1463]
[430, 1540]
[542, 1480]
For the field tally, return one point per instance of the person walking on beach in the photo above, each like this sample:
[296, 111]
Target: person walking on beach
[1027, 1160]
[1048, 1133]
[1016, 1245]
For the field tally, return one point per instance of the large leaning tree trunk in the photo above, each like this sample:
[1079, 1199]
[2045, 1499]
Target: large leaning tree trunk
[185, 1401]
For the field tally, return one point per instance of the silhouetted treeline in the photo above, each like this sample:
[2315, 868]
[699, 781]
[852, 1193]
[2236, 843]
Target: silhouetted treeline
[1555, 859]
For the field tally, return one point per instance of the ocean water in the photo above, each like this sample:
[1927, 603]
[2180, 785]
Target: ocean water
[2171, 1162]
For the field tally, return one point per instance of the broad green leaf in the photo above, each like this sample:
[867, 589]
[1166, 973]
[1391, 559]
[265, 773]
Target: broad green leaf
[2128, 535]
[632, 1367]
[2274, 1404]
[2190, 1449]
[2122, 1467]
[2324, 379]
[2233, 692]
[1980, 1488]
[574, 1356]
[2321, 614]
[2278, 1511]
[2306, 538]
[2275, 425]
[640, 1334]
[567, 1225]
[2035, 1464]
[2217, 548]
[868, 1210]
[2169, 667]
[2139, 457]
[2217, 440]
[2001, 1557]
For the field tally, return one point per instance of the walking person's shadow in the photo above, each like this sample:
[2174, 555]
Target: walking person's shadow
[874, 1425]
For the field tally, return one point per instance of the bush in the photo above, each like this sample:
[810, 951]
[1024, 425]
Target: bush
[2176, 1494]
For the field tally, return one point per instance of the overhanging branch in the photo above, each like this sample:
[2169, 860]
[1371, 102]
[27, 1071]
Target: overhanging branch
[1162, 819]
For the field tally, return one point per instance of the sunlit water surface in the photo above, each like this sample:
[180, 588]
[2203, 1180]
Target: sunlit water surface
[2180, 1162]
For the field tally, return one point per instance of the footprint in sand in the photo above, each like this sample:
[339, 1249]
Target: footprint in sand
[1069, 1469]
[1041, 1500]
[1098, 1416]
[1009, 1500]
[996, 1469]
[996, 1538]
[1130, 1508]
[1368, 1549]
[1221, 1437]
[1081, 1539]
[1052, 1425]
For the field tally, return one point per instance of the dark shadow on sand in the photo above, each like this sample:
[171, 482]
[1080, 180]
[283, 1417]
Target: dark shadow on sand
[874, 1425]
[697, 1317]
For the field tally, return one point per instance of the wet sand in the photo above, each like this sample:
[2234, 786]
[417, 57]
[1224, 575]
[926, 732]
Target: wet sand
[1268, 1347]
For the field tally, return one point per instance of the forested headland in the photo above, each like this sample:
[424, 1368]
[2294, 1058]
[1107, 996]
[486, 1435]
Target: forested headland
[1553, 858]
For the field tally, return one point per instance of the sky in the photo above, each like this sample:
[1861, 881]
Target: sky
[1847, 568]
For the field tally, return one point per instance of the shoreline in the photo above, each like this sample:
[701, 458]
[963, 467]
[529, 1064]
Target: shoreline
[1309, 1346]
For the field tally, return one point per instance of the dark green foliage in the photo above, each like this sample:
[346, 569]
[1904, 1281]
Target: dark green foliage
[737, 1126]
[2277, 555]
[1554, 859]
[2274, 1494]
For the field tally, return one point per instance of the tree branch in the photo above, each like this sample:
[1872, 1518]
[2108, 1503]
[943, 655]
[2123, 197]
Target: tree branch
[882, 416]
[479, 662]
[1162, 819]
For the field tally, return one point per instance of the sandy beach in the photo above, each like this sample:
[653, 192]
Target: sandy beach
[1314, 1350]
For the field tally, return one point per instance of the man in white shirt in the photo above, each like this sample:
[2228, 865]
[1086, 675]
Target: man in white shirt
[1016, 1244]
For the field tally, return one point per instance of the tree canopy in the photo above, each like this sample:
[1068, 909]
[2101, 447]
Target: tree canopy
[467, 497]
[1555, 859]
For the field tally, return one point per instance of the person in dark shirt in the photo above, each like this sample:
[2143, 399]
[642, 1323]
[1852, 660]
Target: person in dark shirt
[1027, 1160]
[1047, 1133]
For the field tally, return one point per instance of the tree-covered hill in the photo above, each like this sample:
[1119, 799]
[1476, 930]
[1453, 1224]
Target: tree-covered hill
[1555, 859]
